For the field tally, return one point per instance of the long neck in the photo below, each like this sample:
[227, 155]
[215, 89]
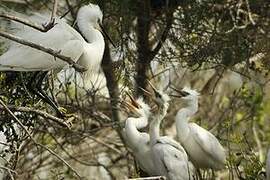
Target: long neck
[154, 130]
[132, 129]
[155, 124]
[91, 34]
[193, 106]
[94, 48]
[182, 117]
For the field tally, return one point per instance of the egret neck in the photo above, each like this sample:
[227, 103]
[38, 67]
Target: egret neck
[182, 118]
[155, 124]
[95, 41]
[132, 126]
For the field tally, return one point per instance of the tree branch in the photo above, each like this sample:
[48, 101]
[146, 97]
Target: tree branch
[34, 141]
[38, 112]
[169, 21]
[143, 48]
[50, 51]
[26, 22]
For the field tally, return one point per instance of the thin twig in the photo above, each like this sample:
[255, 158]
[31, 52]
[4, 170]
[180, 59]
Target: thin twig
[149, 178]
[50, 51]
[54, 10]
[38, 112]
[25, 22]
[8, 169]
[169, 21]
[38, 144]
[105, 144]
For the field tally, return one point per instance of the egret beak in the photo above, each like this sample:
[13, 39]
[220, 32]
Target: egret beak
[133, 101]
[146, 92]
[181, 93]
[157, 94]
[106, 34]
[131, 108]
[152, 86]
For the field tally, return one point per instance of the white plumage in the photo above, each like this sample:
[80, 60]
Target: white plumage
[203, 148]
[62, 38]
[139, 141]
[169, 156]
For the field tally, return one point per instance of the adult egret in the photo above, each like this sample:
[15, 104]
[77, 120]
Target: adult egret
[203, 148]
[63, 38]
[169, 156]
[136, 140]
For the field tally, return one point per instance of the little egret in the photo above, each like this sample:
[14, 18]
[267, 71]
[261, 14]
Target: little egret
[203, 148]
[136, 140]
[63, 38]
[169, 156]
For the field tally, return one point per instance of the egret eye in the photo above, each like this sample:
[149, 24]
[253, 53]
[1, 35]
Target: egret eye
[158, 95]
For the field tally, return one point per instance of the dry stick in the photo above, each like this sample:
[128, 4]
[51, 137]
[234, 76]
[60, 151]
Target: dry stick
[54, 10]
[105, 144]
[25, 22]
[51, 24]
[38, 144]
[149, 178]
[8, 169]
[38, 112]
[50, 51]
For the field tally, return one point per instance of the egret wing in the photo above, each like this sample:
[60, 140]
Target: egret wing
[172, 162]
[23, 58]
[208, 142]
[171, 142]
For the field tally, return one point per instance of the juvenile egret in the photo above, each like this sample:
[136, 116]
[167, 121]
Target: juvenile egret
[169, 156]
[203, 148]
[63, 38]
[136, 140]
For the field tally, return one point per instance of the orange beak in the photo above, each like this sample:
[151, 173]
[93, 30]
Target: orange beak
[133, 101]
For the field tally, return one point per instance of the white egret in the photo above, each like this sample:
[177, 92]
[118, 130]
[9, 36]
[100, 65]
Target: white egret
[169, 156]
[136, 140]
[63, 38]
[203, 148]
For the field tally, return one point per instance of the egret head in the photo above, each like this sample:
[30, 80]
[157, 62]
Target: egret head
[138, 107]
[143, 107]
[189, 94]
[92, 14]
[159, 97]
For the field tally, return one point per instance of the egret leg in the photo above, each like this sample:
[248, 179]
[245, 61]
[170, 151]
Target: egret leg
[45, 96]
[199, 173]
[32, 87]
[213, 174]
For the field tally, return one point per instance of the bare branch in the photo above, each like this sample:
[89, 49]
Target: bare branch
[54, 10]
[150, 178]
[50, 51]
[25, 22]
[38, 112]
[38, 144]
[169, 21]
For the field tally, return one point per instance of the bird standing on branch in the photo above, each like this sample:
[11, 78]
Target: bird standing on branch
[64, 39]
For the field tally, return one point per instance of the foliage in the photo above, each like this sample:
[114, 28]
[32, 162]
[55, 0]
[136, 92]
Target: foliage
[202, 43]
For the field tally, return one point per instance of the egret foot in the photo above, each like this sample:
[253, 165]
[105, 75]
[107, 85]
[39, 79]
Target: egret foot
[70, 118]
[61, 112]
